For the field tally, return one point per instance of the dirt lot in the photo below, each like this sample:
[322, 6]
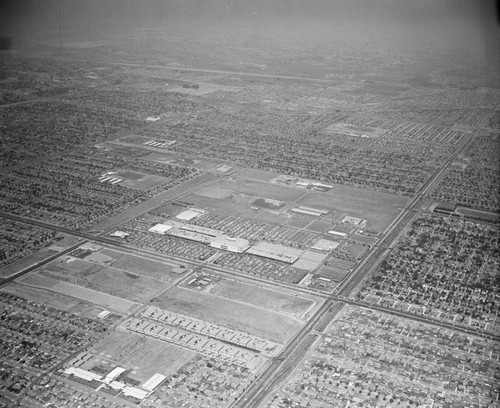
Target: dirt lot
[228, 313]
[379, 209]
[93, 296]
[105, 279]
[268, 299]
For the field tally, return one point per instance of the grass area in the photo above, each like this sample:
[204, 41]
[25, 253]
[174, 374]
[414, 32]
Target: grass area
[144, 355]
[268, 299]
[228, 313]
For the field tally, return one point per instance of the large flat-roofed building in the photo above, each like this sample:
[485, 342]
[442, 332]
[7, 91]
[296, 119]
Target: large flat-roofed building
[275, 251]
[190, 214]
[191, 235]
[315, 212]
[160, 229]
[83, 374]
[201, 230]
[135, 393]
[226, 243]
[324, 245]
[153, 382]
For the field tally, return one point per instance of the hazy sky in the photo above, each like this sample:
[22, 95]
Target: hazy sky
[469, 26]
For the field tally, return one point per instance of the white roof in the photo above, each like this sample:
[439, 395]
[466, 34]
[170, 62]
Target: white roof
[275, 251]
[160, 229]
[325, 245]
[119, 234]
[135, 392]
[190, 214]
[114, 373]
[342, 234]
[83, 374]
[117, 385]
[153, 382]
[103, 314]
[230, 243]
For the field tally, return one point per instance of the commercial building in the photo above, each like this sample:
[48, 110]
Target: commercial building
[275, 251]
[160, 229]
[190, 214]
[324, 245]
[226, 243]
[309, 211]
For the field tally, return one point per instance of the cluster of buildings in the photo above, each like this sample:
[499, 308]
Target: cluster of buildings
[111, 382]
[202, 383]
[443, 267]
[74, 190]
[392, 362]
[18, 240]
[36, 339]
[474, 180]
[62, 126]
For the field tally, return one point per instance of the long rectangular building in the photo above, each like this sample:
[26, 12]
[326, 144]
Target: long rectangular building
[275, 251]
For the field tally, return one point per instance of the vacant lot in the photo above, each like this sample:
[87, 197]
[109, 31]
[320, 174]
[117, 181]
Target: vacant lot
[144, 356]
[333, 272]
[93, 296]
[228, 313]
[265, 298]
[257, 189]
[139, 181]
[379, 209]
[48, 298]
[105, 279]
[256, 174]
[143, 266]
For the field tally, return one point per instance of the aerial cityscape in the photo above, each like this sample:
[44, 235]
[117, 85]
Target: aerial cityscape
[249, 204]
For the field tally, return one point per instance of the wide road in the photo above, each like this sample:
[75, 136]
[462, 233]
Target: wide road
[259, 388]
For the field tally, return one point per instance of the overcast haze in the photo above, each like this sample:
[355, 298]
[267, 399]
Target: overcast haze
[467, 29]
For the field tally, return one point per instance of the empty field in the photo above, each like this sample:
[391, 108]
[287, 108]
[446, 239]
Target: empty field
[18, 265]
[102, 299]
[144, 356]
[333, 272]
[105, 279]
[264, 298]
[48, 298]
[142, 266]
[228, 313]
[256, 174]
[319, 226]
[379, 209]
[139, 181]
[256, 189]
